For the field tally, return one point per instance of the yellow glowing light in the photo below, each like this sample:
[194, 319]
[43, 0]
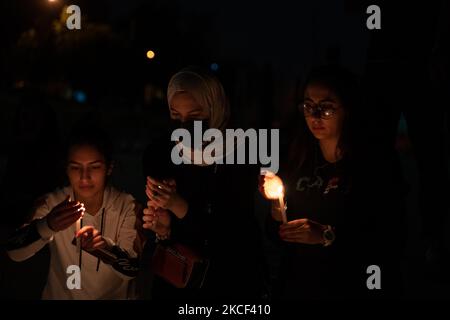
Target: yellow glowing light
[273, 189]
[150, 54]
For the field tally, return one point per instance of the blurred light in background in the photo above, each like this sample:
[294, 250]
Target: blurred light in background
[79, 96]
[214, 66]
[67, 93]
[19, 84]
[150, 54]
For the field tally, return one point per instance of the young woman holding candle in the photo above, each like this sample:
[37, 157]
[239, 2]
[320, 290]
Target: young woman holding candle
[100, 217]
[332, 184]
[206, 207]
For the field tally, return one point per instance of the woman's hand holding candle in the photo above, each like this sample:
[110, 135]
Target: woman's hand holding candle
[65, 214]
[91, 239]
[157, 220]
[302, 231]
[163, 194]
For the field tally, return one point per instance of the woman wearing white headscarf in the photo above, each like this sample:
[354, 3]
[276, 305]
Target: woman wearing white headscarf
[207, 92]
[208, 207]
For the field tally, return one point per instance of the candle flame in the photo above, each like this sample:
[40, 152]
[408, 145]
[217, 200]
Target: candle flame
[273, 187]
[280, 190]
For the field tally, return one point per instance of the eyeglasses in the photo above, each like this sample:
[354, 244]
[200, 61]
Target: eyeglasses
[324, 110]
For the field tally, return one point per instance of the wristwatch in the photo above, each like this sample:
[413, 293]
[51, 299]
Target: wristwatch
[328, 236]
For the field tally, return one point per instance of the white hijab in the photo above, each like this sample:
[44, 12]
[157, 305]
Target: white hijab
[206, 90]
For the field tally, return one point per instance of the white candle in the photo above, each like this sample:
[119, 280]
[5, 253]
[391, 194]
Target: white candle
[282, 208]
[273, 189]
[78, 227]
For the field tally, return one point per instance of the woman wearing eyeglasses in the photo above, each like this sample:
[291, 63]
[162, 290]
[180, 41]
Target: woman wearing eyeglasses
[329, 239]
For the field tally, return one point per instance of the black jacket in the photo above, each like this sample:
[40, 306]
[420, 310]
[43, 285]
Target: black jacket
[359, 199]
[220, 223]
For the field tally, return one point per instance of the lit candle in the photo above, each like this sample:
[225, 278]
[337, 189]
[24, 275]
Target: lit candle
[282, 207]
[78, 238]
[78, 227]
[273, 188]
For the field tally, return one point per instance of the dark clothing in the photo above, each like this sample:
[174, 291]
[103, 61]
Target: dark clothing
[354, 202]
[220, 224]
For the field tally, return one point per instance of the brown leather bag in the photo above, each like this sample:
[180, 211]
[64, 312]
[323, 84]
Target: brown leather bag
[179, 265]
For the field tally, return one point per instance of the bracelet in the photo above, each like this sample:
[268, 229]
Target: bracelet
[161, 237]
[328, 236]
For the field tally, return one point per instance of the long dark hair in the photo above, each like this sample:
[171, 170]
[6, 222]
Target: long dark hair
[343, 84]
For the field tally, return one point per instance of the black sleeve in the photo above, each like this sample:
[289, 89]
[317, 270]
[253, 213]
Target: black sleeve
[23, 237]
[193, 225]
[124, 263]
[118, 258]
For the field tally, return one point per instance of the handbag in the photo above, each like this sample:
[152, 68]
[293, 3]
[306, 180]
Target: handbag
[179, 265]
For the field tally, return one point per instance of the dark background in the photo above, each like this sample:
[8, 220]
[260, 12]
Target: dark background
[52, 77]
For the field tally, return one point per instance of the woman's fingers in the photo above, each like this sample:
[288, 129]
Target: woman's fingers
[155, 182]
[294, 228]
[160, 197]
[159, 201]
[61, 219]
[85, 231]
[69, 215]
[152, 203]
[171, 182]
[95, 241]
[149, 193]
[294, 224]
[96, 233]
[66, 210]
[149, 218]
[64, 220]
[63, 212]
[158, 189]
[67, 221]
[165, 184]
[295, 234]
[149, 211]
[99, 245]
[152, 186]
[149, 226]
[63, 203]
[86, 242]
[83, 238]
[168, 185]
[90, 237]
[291, 232]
